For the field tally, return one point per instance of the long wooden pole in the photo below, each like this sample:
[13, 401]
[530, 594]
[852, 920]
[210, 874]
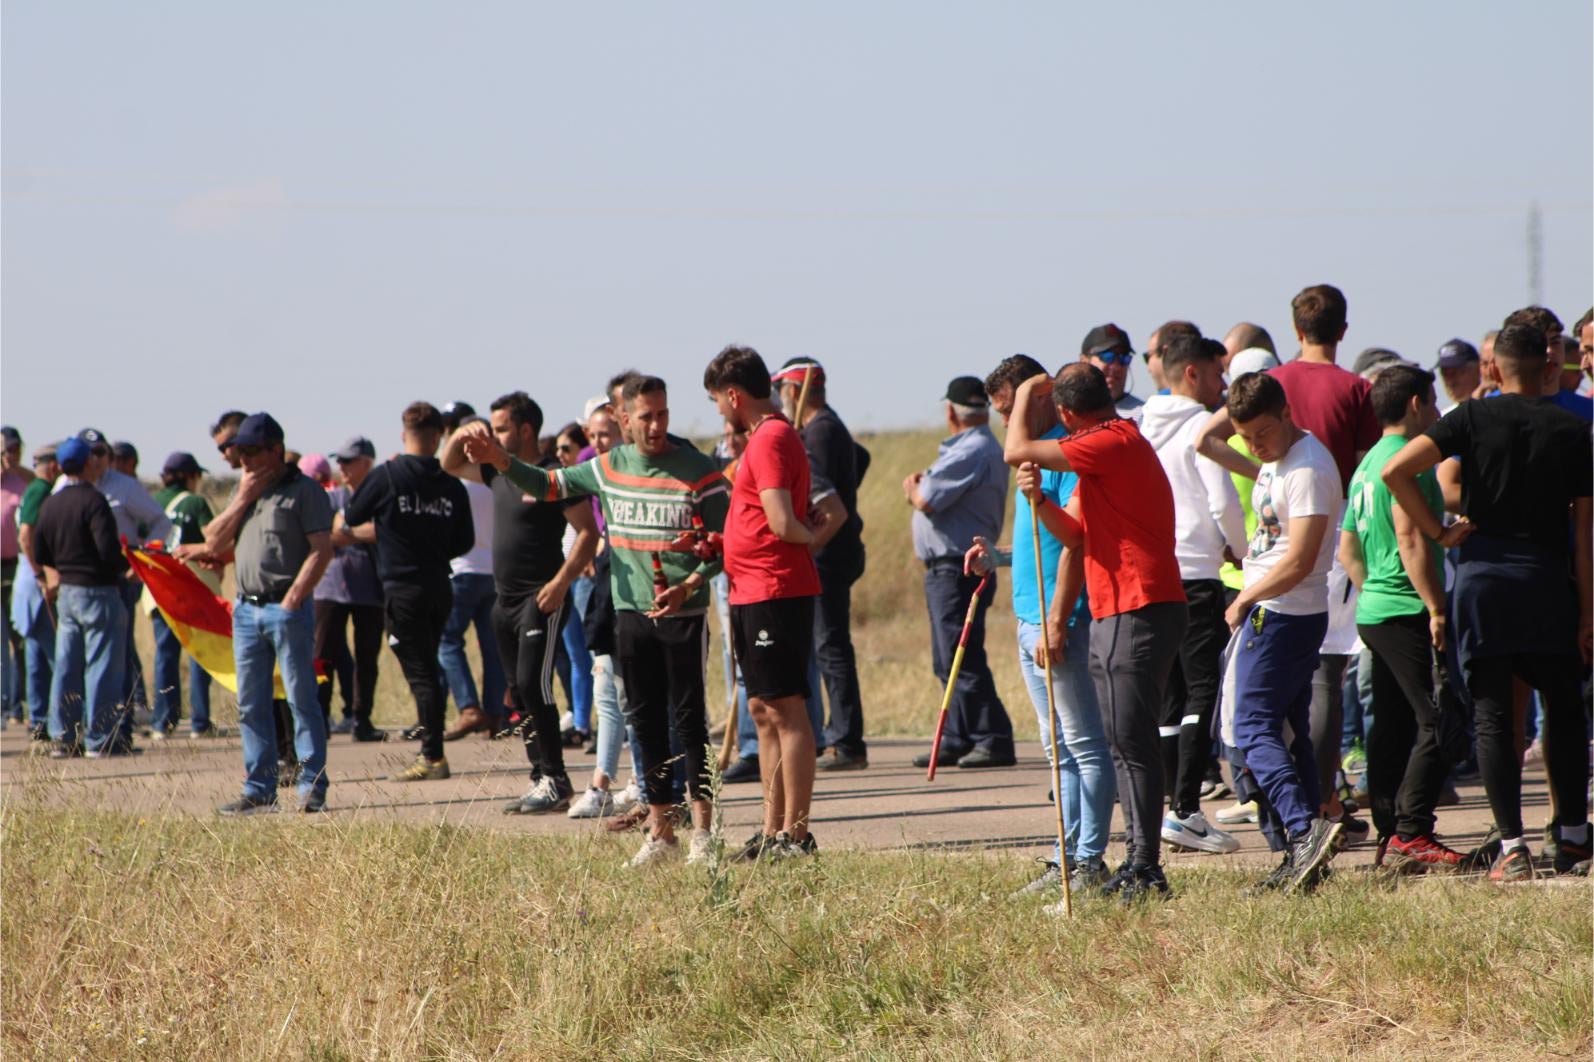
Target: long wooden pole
[728, 742]
[1051, 710]
[952, 676]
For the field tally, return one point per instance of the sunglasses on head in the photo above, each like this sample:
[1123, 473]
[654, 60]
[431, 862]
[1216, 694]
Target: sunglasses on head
[1125, 358]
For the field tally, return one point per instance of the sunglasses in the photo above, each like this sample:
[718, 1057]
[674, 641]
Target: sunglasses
[101, 451]
[565, 448]
[1126, 358]
[223, 446]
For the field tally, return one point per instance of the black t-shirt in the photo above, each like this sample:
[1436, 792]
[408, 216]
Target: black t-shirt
[76, 535]
[834, 455]
[528, 535]
[1523, 460]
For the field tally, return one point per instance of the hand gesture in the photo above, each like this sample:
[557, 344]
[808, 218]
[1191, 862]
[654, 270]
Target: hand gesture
[1456, 533]
[482, 448]
[669, 601]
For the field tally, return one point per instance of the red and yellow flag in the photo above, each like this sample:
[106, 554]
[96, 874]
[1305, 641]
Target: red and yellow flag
[201, 620]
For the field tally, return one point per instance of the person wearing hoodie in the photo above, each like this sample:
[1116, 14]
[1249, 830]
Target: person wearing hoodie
[423, 521]
[1209, 526]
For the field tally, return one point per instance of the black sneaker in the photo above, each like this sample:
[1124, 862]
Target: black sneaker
[1144, 883]
[755, 848]
[1352, 831]
[982, 757]
[39, 732]
[783, 847]
[1310, 853]
[1117, 879]
[413, 733]
[1552, 844]
[745, 769]
[1481, 858]
[314, 804]
[65, 750]
[1275, 880]
[345, 725]
[946, 757]
[1569, 855]
[364, 731]
[842, 760]
[248, 805]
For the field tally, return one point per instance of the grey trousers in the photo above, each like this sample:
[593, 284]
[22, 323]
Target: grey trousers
[1328, 718]
[1130, 656]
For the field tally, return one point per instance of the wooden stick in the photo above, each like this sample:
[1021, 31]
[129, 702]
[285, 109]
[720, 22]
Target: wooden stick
[1051, 710]
[728, 742]
[802, 395]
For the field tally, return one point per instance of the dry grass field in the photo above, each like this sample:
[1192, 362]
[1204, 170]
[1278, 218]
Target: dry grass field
[170, 936]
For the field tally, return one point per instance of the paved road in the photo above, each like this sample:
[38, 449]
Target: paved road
[889, 805]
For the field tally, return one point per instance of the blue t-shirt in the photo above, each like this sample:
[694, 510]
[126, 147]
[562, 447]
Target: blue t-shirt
[1059, 487]
[1573, 402]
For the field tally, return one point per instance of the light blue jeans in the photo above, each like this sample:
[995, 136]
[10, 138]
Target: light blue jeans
[39, 647]
[1084, 775]
[608, 695]
[265, 637]
[168, 687]
[90, 656]
[474, 594]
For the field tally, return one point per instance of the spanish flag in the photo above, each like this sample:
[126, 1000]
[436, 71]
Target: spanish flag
[200, 618]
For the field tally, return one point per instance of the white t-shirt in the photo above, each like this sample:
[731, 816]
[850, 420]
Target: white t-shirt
[479, 561]
[1305, 482]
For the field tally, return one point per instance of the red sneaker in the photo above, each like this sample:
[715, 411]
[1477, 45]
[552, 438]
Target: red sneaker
[1420, 854]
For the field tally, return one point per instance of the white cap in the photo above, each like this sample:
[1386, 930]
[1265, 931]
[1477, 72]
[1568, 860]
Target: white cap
[594, 404]
[1252, 359]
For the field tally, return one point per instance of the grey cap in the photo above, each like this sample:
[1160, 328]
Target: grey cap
[357, 447]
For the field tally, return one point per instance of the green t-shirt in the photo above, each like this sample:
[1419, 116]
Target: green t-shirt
[1387, 592]
[33, 496]
[189, 513]
[647, 502]
[1232, 577]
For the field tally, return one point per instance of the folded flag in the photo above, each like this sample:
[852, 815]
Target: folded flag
[200, 618]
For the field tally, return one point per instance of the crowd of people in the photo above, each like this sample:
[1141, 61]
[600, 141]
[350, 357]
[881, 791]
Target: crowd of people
[1305, 572]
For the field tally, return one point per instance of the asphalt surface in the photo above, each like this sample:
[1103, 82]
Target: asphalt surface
[889, 805]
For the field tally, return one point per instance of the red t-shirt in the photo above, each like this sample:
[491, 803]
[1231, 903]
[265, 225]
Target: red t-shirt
[762, 567]
[1334, 405]
[1126, 507]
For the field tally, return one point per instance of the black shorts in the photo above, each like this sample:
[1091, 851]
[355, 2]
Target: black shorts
[774, 641]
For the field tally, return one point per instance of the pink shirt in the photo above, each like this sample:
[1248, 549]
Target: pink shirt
[11, 487]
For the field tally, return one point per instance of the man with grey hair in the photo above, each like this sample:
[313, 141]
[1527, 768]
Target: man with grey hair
[956, 500]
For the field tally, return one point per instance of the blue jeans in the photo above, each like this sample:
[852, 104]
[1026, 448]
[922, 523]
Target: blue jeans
[265, 637]
[40, 654]
[168, 687]
[1084, 775]
[90, 655]
[473, 604]
[608, 694]
[575, 640]
[747, 730]
[1272, 699]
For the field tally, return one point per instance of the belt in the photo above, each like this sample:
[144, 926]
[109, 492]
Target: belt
[262, 599]
[936, 561]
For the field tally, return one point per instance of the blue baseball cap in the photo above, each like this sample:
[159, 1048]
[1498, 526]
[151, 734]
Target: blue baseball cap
[73, 455]
[258, 429]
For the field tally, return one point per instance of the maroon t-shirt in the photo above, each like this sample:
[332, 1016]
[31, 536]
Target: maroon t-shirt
[1334, 405]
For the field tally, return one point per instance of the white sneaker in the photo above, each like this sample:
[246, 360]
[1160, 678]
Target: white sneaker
[594, 804]
[701, 848]
[654, 851]
[1237, 813]
[628, 798]
[1192, 832]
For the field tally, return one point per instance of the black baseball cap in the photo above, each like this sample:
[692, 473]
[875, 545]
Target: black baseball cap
[357, 447]
[1106, 338]
[455, 412]
[12, 436]
[124, 451]
[94, 439]
[258, 429]
[1457, 353]
[967, 391]
[180, 462]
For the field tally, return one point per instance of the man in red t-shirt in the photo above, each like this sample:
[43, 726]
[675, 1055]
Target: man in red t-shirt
[773, 585]
[1123, 515]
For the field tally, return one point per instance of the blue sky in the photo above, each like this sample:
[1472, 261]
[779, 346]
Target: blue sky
[330, 210]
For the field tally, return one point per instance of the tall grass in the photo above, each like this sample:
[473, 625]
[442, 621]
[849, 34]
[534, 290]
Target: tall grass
[183, 938]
